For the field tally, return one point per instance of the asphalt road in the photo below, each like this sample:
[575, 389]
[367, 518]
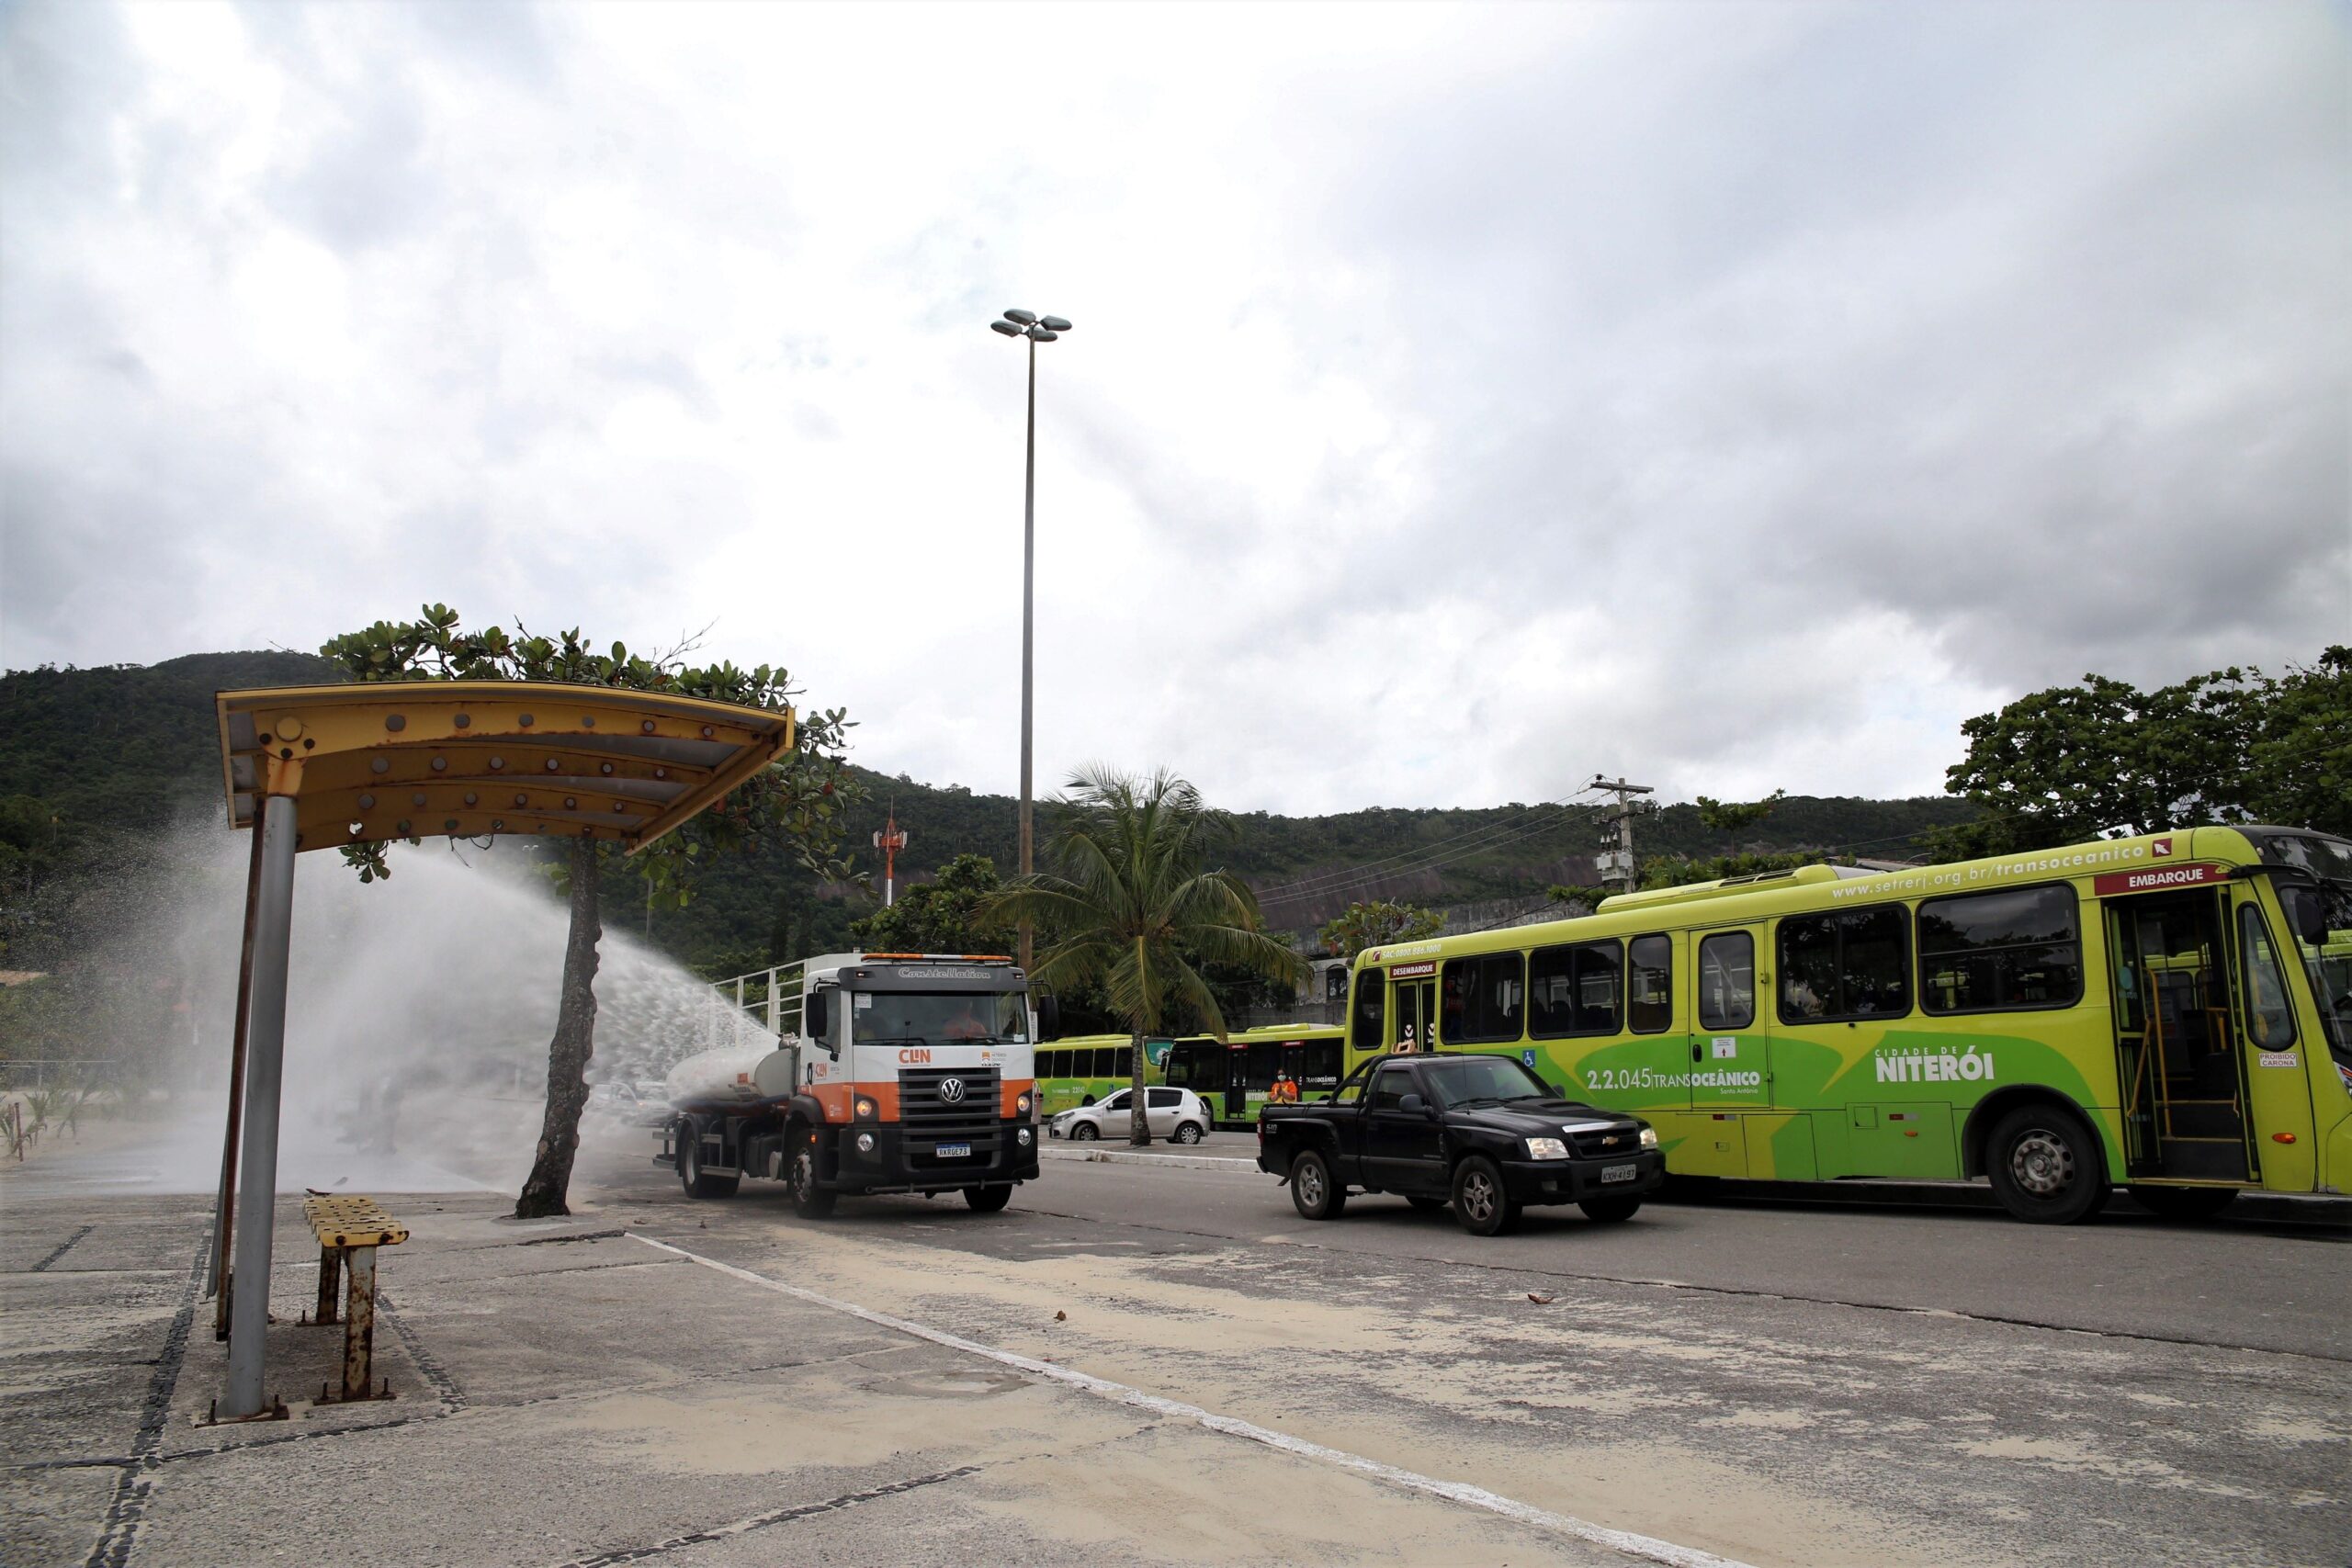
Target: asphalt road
[1778, 1383]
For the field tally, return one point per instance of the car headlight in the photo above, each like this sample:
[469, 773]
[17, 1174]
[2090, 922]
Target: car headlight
[1649, 1137]
[1021, 1106]
[865, 1110]
[1546, 1148]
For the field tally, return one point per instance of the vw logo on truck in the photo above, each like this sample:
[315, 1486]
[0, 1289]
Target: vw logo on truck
[952, 1090]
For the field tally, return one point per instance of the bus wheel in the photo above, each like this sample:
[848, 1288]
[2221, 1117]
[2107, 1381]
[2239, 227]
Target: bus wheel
[1312, 1191]
[809, 1201]
[2045, 1166]
[1080, 1132]
[2184, 1202]
[1480, 1202]
[698, 1182]
[988, 1199]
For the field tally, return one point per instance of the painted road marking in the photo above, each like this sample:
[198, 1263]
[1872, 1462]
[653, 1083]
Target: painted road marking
[1647, 1547]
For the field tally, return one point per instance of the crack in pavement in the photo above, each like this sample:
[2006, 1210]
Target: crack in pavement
[772, 1517]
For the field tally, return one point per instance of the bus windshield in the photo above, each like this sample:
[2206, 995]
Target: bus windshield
[930, 1017]
[2320, 915]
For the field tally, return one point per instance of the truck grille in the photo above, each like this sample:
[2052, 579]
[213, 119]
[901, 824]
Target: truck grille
[1599, 1144]
[930, 1119]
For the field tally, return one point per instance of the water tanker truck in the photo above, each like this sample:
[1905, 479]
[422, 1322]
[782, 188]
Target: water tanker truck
[889, 1072]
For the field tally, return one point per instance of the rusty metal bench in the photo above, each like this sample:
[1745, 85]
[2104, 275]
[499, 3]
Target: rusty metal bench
[349, 1231]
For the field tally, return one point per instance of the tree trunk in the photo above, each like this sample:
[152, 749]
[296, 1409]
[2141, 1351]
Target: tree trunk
[1138, 1124]
[568, 1052]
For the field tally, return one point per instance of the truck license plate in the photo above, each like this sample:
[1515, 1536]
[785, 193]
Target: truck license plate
[1619, 1172]
[963, 1151]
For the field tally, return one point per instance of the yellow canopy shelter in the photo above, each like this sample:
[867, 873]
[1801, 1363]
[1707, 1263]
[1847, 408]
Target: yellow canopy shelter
[315, 767]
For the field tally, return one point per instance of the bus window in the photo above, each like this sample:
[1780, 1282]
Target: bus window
[1320, 1066]
[1369, 1026]
[1649, 997]
[1265, 1061]
[1575, 991]
[1482, 997]
[2270, 1018]
[1853, 964]
[1988, 951]
[1727, 981]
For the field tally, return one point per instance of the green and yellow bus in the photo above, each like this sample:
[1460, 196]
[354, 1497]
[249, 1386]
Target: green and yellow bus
[2172, 1012]
[1237, 1075]
[1083, 1068]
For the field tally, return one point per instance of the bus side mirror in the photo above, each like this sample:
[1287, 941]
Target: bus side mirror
[1049, 1018]
[816, 1016]
[2311, 923]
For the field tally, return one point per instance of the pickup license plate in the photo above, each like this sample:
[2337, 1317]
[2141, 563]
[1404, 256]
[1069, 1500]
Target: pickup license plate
[963, 1151]
[1619, 1172]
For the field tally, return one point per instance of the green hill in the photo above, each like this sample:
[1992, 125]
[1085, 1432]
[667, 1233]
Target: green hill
[89, 758]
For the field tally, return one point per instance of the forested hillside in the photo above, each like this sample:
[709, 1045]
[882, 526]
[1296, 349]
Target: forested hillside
[91, 758]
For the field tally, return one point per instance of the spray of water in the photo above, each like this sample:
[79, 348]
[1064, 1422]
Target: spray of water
[418, 1014]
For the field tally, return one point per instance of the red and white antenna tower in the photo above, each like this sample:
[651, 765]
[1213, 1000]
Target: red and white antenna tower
[890, 841]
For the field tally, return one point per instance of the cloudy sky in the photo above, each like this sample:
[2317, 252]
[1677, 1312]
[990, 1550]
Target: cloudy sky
[1461, 400]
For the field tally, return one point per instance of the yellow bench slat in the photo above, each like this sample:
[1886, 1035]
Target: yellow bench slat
[353, 1221]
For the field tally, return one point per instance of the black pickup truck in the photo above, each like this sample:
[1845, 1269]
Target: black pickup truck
[1482, 1132]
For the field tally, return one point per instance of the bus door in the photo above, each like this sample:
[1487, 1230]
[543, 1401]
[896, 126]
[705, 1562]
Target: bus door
[1730, 1077]
[2279, 1088]
[2178, 1055]
[1412, 1008]
[1236, 1080]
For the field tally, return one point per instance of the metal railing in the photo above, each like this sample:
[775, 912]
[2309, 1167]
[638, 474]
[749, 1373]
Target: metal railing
[91, 1072]
[768, 997]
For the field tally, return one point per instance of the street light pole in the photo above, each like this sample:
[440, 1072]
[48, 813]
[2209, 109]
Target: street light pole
[1028, 325]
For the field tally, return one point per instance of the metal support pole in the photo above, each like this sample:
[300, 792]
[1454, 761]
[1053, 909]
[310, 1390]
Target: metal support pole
[329, 1279]
[221, 1215]
[359, 1322]
[266, 1072]
[776, 1007]
[1028, 640]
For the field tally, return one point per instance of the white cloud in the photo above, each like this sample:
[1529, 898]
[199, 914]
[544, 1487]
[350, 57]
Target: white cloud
[1462, 400]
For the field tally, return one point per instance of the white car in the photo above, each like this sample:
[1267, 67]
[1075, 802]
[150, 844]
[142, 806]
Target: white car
[1177, 1114]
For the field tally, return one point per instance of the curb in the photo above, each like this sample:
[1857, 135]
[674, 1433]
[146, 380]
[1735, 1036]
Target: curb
[1130, 1156]
[2308, 1209]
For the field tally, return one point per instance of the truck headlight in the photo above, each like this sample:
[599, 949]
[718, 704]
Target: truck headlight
[865, 1110]
[1023, 1137]
[1021, 1106]
[1649, 1137]
[865, 1142]
[1546, 1148]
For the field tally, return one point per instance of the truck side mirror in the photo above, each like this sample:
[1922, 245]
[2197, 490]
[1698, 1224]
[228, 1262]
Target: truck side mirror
[1049, 1018]
[1413, 1104]
[1557, 1092]
[816, 1016]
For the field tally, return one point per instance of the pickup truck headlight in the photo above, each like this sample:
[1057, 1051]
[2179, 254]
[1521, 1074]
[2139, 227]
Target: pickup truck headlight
[1649, 1137]
[1546, 1148]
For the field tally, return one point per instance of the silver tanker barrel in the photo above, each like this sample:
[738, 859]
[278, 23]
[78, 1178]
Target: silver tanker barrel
[735, 1080]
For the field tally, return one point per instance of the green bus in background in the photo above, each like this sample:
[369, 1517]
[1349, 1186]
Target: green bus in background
[2170, 1011]
[1083, 1068]
[1234, 1076]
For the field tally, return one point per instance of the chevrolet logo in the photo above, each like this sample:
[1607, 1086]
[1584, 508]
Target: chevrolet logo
[1609, 1142]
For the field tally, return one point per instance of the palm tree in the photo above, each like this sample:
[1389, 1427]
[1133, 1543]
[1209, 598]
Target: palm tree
[1133, 911]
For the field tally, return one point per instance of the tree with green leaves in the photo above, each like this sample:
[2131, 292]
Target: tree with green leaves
[1376, 922]
[2072, 764]
[1133, 907]
[798, 800]
[1727, 817]
[939, 915]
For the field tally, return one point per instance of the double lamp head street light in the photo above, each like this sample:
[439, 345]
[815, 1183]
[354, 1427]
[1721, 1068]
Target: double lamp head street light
[1036, 328]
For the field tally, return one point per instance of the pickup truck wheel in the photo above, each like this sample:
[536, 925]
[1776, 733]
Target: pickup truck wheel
[1611, 1211]
[1427, 1205]
[698, 1182]
[1081, 1132]
[1480, 1200]
[988, 1199]
[809, 1201]
[1316, 1195]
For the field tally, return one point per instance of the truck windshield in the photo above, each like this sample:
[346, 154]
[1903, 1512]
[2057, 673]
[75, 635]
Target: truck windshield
[984, 1018]
[1459, 1081]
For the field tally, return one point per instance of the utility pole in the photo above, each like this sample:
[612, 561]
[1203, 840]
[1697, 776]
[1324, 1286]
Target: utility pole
[1619, 861]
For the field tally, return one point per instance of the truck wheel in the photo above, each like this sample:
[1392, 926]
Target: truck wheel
[2184, 1202]
[1480, 1200]
[988, 1199]
[2045, 1166]
[698, 1182]
[1312, 1191]
[809, 1201]
[1611, 1211]
[1081, 1132]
